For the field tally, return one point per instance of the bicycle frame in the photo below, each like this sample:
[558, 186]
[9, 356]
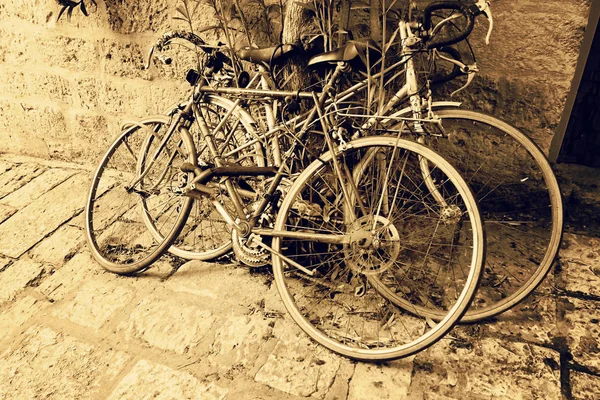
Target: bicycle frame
[321, 100]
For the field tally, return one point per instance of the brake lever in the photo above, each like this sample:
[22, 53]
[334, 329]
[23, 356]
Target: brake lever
[470, 71]
[486, 9]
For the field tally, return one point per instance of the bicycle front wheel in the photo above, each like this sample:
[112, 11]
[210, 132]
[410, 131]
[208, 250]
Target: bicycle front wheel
[138, 184]
[380, 219]
[519, 200]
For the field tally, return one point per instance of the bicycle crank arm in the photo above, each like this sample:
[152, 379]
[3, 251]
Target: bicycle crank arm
[256, 239]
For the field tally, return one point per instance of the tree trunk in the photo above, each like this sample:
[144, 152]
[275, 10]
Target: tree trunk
[295, 26]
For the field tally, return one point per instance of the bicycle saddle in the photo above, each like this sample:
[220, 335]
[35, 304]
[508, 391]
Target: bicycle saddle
[350, 51]
[266, 55]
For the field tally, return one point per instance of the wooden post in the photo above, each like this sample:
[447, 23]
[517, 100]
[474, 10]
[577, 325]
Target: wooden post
[573, 142]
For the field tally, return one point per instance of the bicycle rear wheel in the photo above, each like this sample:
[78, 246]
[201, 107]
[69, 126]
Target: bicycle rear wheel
[383, 221]
[519, 200]
[207, 235]
[128, 193]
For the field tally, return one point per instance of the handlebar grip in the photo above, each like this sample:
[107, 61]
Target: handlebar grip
[468, 9]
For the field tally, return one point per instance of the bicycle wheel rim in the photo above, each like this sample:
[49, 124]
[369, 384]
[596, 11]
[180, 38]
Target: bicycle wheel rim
[300, 309]
[116, 227]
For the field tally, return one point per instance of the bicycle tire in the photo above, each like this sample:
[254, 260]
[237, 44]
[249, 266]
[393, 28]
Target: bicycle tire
[519, 199]
[115, 220]
[339, 293]
[207, 235]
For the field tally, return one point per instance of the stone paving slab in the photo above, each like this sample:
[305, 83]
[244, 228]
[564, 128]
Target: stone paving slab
[176, 324]
[19, 313]
[297, 365]
[37, 187]
[18, 176]
[45, 363]
[533, 320]
[240, 340]
[95, 303]
[44, 215]
[381, 381]
[580, 259]
[584, 386]
[6, 212]
[69, 277]
[59, 246]
[486, 368]
[154, 381]
[582, 328]
[202, 330]
[17, 277]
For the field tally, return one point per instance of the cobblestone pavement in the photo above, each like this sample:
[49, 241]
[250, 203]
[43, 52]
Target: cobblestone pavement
[211, 331]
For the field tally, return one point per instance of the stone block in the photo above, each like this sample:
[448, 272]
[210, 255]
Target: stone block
[59, 246]
[39, 12]
[581, 325]
[18, 314]
[48, 364]
[32, 129]
[91, 134]
[19, 82]
[297, 365]
[580, 261]
[17, 277]
[130, 17]
[381, 381]
[149, 380]
[131, 97]
[584, 386]
[95, 303]
[124, 59]
[19, 176]
[41, 184]
[30, 48]
[240, 340]
[458, 368]
[44, 215]
[70, 277]
[6, 211]
[173, 324]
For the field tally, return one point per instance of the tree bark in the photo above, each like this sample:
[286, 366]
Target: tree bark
[295, 26]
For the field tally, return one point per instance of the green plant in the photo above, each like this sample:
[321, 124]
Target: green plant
[69, 6]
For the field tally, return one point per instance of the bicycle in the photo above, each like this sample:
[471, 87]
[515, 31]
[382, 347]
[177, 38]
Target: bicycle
[518, 193]
[334, 225]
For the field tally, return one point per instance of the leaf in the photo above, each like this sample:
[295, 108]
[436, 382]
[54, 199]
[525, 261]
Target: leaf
[181, 10]
[61, 12]
[196, 8]
[70, 13]
[82, 6]
[208, 28]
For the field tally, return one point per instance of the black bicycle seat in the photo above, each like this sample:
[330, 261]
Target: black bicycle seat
[350, 51]
[266, 55]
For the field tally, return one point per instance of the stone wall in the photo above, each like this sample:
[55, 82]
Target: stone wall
[66, 86]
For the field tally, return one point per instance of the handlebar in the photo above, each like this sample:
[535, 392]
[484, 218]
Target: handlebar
[467, 8]
[216, 58]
